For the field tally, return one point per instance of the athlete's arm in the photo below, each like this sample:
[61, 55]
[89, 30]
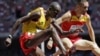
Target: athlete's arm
[33, 16]
[28, 17]
[90, 29]
[64, 17]
[58, 28]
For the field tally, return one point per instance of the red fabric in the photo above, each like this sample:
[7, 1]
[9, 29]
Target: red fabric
[66, 25]
[24, 37]
[74, 38]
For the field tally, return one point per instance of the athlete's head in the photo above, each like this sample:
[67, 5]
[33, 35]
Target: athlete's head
[82, 6]
[53, 9]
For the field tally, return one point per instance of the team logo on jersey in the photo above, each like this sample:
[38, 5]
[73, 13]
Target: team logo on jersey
[75, 27]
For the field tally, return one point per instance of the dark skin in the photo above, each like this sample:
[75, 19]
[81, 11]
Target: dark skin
[43, 35]
[40, 36]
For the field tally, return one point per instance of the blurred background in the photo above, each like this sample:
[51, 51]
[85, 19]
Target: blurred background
[10, 10]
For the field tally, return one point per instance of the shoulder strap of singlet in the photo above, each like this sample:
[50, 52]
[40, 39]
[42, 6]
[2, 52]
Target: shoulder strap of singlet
[72, 14]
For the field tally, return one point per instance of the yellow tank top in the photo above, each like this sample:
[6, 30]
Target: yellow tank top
[83, 18]
[31, 26]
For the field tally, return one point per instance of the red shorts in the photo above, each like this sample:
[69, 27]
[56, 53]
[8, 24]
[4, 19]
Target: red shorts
[24, 37]
[73, 38]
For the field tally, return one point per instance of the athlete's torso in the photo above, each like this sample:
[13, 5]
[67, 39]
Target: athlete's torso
[74, 22]
[32, 26]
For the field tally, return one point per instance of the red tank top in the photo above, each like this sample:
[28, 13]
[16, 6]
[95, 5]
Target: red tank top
[74, 22]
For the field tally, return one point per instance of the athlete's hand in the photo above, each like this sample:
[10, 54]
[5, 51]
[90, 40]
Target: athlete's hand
[8, 41]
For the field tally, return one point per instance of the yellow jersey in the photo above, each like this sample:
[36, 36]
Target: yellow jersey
[31, 26]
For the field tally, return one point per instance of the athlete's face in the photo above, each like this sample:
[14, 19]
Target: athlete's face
[53, 12]
[84, 7]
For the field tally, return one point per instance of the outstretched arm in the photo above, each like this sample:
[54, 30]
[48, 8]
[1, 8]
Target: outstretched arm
[58, 28]
[26, 18]
[57, 40]
[90, 29]
[33, 16]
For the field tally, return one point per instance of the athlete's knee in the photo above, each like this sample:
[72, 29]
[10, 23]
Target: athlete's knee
[93, 45]
[67, 43]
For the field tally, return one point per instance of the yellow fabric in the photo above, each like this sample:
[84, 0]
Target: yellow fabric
[82, 18]
[43, 24]
[31, 26]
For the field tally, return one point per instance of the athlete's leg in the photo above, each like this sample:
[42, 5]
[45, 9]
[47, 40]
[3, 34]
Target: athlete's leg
[44, 35]
[67, 44]
[30, 45]
[87, 45]
[38, 38]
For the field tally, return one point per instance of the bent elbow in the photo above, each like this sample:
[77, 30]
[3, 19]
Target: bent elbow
[18, 21]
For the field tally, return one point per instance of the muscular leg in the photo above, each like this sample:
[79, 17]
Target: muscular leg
[38, 38]
[44, 35]
[87, 45]
[67, 44]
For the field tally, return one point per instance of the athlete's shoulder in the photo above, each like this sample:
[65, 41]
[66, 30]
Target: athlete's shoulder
[66, 16]
[87, 15]
[36, 10]
[39, 8]
[68, 13]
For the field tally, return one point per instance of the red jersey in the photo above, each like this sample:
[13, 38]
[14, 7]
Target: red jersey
[72, 24]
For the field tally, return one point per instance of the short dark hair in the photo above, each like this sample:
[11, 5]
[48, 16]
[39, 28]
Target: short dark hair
[55, 5]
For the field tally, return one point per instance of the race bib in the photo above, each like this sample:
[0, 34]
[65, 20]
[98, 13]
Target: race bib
[75, 27]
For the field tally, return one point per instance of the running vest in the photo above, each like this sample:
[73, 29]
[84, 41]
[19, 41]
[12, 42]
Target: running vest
[31, 26]
[74, 22]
